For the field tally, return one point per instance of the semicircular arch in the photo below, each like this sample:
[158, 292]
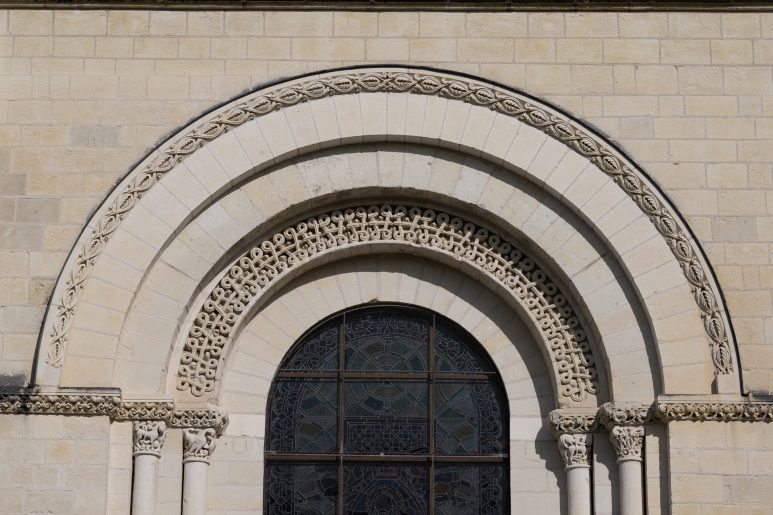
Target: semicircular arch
[504, 127]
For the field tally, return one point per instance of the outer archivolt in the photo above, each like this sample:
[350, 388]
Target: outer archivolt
[422, 83]
[213, 325]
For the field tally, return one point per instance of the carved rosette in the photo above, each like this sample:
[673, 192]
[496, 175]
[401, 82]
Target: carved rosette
[628, 442]
[149, 437]
[198, 444]
[575, 449]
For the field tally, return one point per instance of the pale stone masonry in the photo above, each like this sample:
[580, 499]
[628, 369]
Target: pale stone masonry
[87, 95]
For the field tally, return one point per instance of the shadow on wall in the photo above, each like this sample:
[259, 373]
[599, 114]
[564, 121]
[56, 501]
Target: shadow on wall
[13, 380]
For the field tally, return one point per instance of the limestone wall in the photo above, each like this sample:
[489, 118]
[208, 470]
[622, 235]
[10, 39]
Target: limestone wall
[86, 94]
[54, 464]
[721, 467]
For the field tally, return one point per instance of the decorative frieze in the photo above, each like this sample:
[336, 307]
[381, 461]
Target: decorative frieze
[198, 444]
[149, 437]
[697, 411]
[199, 418]
[575, 449]
[143, 410]
[627, 441]
[568, 422]
[632, 181]
[88, 402]
[530, 285]
[91, 402]
[624, 414]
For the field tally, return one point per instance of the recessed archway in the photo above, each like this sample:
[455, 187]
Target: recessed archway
[349, 106]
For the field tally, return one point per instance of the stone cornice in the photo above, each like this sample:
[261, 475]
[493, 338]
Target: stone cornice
[720, 410]
[387, 5]
[94, 402]
[666, 409]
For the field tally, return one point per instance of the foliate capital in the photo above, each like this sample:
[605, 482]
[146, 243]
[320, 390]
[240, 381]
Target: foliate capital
[628, 442]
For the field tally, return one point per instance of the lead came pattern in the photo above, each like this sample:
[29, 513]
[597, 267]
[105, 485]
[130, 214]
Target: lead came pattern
[385, 489]
[303, 416]
[469, 419]
[465, 489]
[450, 424]
[378, 340]
[528, 283]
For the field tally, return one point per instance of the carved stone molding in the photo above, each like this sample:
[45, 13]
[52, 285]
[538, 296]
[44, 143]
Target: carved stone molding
[628, 442]
[624, 414]
[199, 418]
[143, 410]
[149, 437]
[569, 132]
[575, 449]
[699, 411]
[92, 402]
[34, 402]
[198, 444]
[227, 302]
[568, 422]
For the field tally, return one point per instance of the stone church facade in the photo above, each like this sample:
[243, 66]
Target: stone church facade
[545, 231]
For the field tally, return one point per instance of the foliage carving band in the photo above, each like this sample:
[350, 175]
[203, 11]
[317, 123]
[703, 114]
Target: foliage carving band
[345, 82]
[226, 303]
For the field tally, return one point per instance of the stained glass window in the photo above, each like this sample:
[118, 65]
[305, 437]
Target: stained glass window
[387, 409]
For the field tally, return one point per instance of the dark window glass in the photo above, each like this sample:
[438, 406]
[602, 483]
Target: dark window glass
[470, 488]
[319, 351]
[303, 416]
[469, 418]
[385, 489]
[387, 409]
[455, 354]
[388, 416]
[301, 488]
[387, 339]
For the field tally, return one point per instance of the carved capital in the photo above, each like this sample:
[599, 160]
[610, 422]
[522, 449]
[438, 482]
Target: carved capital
[573, 422]
[149, 437]
[198, 444]
[628, 442]
[625, 414]
[575, 449]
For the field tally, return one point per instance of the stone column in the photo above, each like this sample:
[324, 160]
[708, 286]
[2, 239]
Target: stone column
[576, 452]
[198, 445]
[149, 438]
[628, 442]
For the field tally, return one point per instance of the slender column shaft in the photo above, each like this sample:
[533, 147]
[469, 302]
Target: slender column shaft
[576, 452]
[149, 438]
[144, 485]
[631, 501]
[198, 445]
[578, 486]
[195, 488]
[628, 443]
